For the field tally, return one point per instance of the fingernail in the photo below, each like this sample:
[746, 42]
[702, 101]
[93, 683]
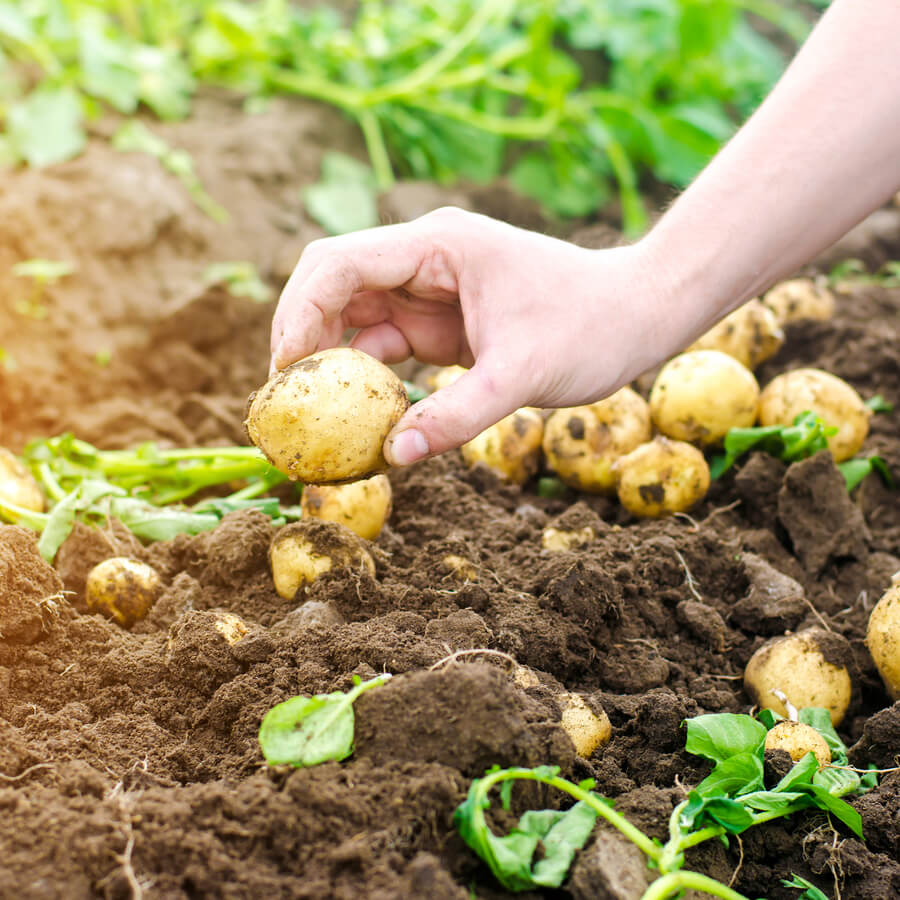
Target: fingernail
[407, 447]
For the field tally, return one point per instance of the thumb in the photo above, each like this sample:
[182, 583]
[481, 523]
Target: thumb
[450, 417]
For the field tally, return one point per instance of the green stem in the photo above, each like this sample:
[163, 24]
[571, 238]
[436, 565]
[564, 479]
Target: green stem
[378, 154]
[525, 128]
[18, 515]
[676, 882]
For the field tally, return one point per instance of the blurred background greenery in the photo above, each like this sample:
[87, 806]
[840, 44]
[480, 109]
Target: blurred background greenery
[578, 103]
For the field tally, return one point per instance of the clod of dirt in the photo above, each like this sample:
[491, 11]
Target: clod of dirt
[757, 484]
[633, 669]
[816, 511]
[310, 614]
[469, 717]
[703, 622]
[461, 630]
[610, 868]
[30, 591]
[775, 603]
[238, 547]
[880, 741]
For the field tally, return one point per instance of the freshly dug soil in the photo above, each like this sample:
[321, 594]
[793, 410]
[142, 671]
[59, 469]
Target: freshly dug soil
[129, 765]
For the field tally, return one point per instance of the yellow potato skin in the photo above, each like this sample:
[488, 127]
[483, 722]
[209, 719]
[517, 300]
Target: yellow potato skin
[699, 396]
[324, 419]
[751, 334]
[300, 553]
[798, 739]
[444, 377]
[794, 665]
[661, 477]
[829, 397]
[362, 506]
[122, 589]
[799, 298]
[587, 731]
[17, 486]
[883, 637]
[581, 443]
[511, 448]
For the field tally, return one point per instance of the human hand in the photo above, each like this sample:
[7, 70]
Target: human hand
[540, 322]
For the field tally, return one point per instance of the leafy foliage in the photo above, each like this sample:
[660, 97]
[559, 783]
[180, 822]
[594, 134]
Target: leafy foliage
[593, 95]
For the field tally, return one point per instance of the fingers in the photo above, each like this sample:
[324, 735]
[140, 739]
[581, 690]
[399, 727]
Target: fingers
[330, 273]
[383, 341]
[452, 416]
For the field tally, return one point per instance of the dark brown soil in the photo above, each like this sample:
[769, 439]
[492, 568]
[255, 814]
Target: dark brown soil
[129, 765]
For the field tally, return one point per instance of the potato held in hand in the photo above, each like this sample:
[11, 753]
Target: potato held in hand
[661, 477]
[511, 448]
[826, 395]
[362, 506]
[582, 443]
[324, 420]
[883, 637]
[122, 589]
[304, 550]
[700, 396]
[751, 334]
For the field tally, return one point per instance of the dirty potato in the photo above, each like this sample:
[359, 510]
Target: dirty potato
[799, 298]
[511, 448]
[362, 506]
[751, 334]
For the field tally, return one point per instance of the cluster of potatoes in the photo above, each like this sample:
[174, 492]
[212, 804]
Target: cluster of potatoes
[651, 453]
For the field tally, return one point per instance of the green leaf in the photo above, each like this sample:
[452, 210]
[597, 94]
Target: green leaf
[839, 782]
[855, 470]
[733, 775]
[879, 405]
[811, 892]
[770, 801]
[341, 208]
[46, 127]
[800, 773]
[718, 736]
[306, 731]
[840, 809]
[820, 719]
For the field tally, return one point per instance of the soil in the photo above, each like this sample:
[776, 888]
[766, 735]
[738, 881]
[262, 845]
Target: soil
[129, 765]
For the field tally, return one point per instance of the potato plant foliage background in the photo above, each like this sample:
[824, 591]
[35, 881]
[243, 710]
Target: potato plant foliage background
[574, 100]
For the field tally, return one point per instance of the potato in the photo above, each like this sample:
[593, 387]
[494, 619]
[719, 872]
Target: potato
[558, 540]
[830, 398]
[511, 448]
[798, 739]
[362, 506]
[700, 396]
[459, 567]
[751, 334]
[17, 486]
[587, 730]
[799, 298]
[661, 477]
[796, 666]
[304, 550]
[444, 377]
[122, 589]
[883, 637]
[324, 419]
[581, 443]
[233, 628]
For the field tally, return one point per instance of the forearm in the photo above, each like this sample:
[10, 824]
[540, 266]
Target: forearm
[819, 154]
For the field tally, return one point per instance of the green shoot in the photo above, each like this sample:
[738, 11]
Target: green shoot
[307, 731]
[731, 799]
[42, 272]
[854, 272]
[240, 278]
[811, 892]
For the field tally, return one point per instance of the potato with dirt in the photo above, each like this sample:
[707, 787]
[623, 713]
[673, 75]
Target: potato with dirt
[511, 448]
[304, 550]
[751, 334]
[17, 486]
[122, 589]
[883, 637]
[661, 477]
[362, 506]
[797, 739]
[701, 395]
[807, 667]
[798, 299]
[813, 390]
[324, 419]
[581, 443]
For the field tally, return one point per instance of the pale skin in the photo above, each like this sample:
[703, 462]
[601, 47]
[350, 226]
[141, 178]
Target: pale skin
[544, 323]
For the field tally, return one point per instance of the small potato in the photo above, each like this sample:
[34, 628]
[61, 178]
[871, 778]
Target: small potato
[799, 298]
[587, 730]
[362, 506]
[17, 486]
[444, 377]
[826, 395]
[122, 589]
[795, 665]
[459, 567]
[511, 448]
[751, 334]
[700, 396]
[304, 550]
[556, 540]
[798, 739]
[582, 443]
[661, 477]
[883, 637]
[324, 419]
[233, 628]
